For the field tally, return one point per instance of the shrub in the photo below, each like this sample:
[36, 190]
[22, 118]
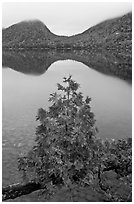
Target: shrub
[67, 151]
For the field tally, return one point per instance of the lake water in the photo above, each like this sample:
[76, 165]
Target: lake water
[24, 92]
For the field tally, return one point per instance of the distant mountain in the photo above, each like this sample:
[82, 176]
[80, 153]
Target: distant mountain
[114, 35]
[27, 34]
[111, 34]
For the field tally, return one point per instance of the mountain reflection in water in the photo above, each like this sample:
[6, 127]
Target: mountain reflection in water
[37, 62]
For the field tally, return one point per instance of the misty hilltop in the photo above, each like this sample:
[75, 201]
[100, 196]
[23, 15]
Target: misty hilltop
[113, 34]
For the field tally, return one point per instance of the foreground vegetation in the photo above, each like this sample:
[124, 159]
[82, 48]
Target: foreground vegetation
[68, 158]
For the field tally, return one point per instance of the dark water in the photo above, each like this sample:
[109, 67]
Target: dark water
[29, 78]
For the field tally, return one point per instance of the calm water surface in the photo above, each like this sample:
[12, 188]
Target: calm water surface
[24, 94]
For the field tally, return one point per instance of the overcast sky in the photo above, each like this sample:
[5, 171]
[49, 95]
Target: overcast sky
[65, 18]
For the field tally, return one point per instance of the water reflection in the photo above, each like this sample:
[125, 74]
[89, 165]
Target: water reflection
[37, 62]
